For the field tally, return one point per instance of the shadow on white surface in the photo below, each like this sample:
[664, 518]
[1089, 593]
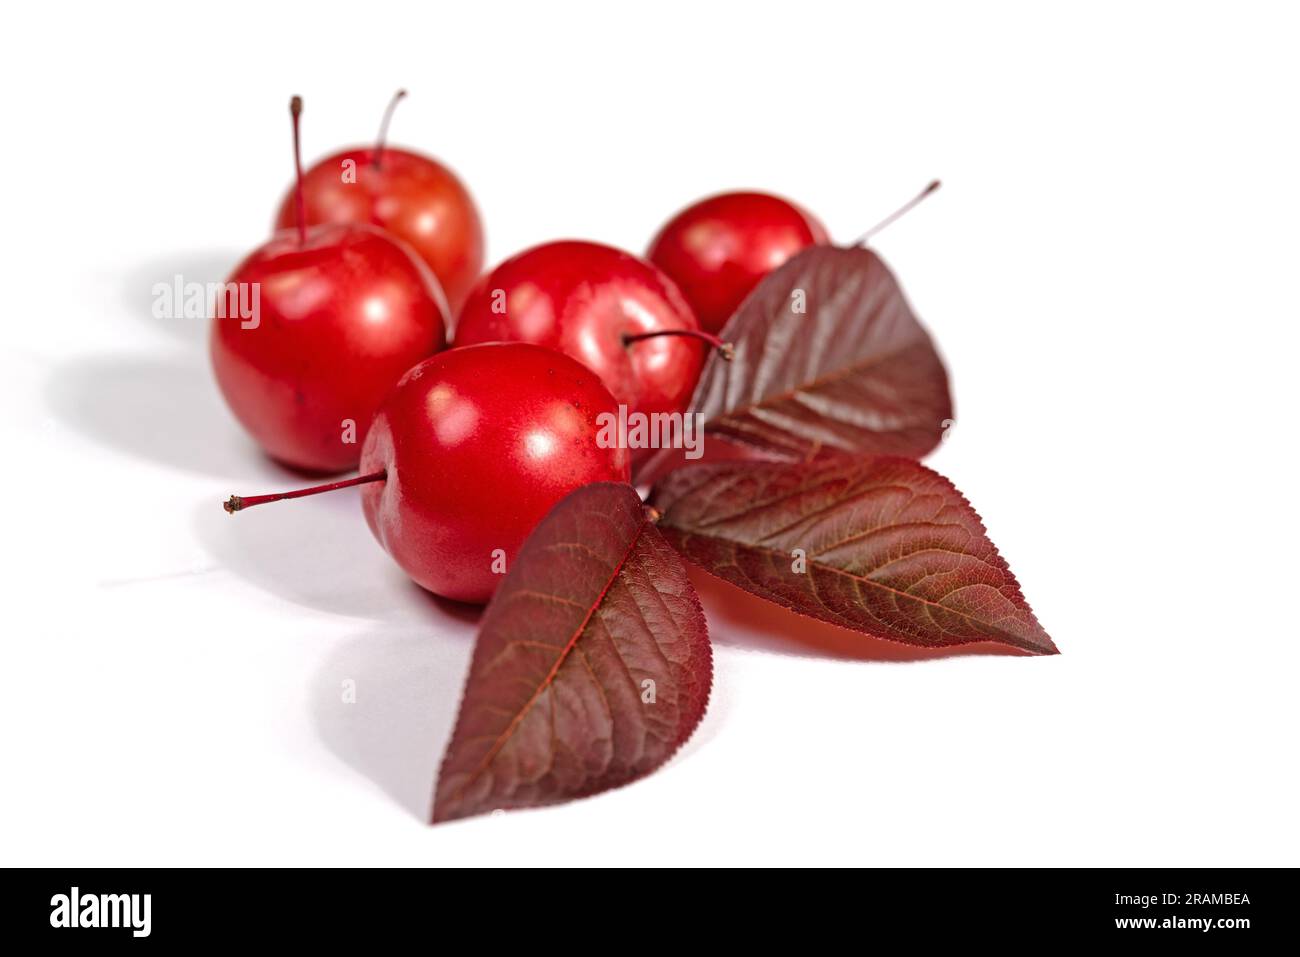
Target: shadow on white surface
[163, 407]
[202, 266]
[407, 685]
[164, 411]
[318, 552]
[741, 620]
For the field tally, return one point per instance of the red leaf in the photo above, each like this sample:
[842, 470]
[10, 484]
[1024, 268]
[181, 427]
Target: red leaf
[889, 547]
[592, 664]
[852, 373]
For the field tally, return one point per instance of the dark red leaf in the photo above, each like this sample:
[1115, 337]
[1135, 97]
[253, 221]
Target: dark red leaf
[853, 373]
[889, 547]
[592, 664]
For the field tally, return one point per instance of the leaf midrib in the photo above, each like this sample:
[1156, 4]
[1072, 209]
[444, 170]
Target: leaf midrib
[569, 646]
[820, 382]
[812, 562]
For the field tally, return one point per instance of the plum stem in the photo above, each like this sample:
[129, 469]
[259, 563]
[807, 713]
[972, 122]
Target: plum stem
[237, 503]
[726, 349]
[295, 111]
[383, 127]
[862, 240]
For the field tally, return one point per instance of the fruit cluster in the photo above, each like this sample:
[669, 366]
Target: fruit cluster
[464, 450]
[477, 411]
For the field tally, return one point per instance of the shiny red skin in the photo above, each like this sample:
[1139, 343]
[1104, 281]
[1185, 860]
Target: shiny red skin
[718, 250]
[414, 197]
[581, 298]
[340, 319]
[478, 445]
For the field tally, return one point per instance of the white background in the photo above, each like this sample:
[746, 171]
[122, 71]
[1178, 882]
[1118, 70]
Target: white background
[1110, 271]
